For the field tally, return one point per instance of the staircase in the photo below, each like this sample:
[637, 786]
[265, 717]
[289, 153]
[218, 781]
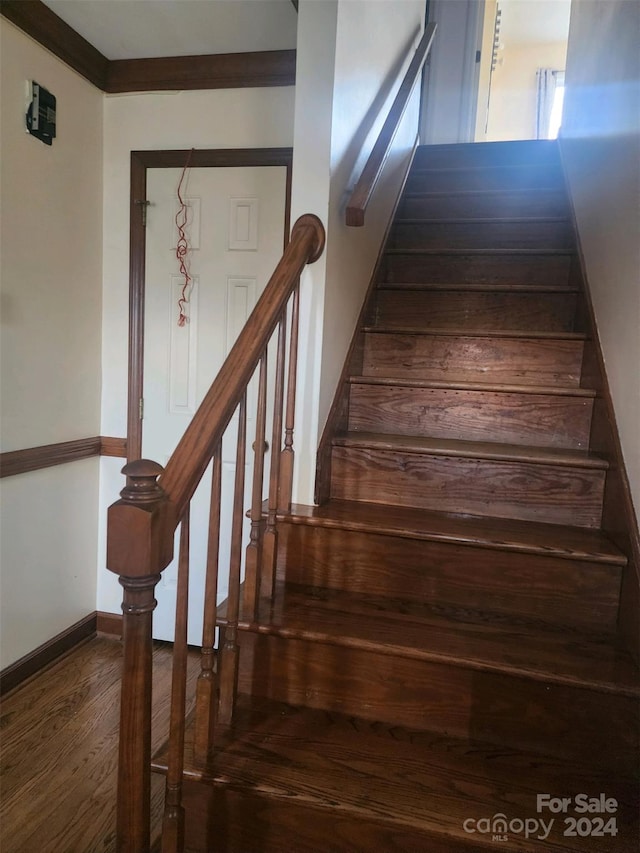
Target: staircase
[442, 646]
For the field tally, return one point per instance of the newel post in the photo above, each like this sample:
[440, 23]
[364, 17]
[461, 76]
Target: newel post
[139, 547]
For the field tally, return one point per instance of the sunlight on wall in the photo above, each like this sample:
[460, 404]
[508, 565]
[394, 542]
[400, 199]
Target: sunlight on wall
[556, 111]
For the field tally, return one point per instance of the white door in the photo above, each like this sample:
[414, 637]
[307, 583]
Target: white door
[235, 233]
[450, 91]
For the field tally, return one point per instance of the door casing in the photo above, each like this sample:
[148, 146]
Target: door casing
[140, 162]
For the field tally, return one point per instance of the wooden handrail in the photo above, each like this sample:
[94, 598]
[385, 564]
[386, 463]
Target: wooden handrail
[141, 528]
[372, 171]
[193, 453]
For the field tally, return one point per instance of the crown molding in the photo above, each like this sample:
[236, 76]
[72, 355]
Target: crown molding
[213, 71]
[44, 26]
[166, 73]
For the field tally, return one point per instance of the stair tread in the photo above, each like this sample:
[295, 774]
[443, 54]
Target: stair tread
[481, 287]
[472, 449]
[510, 168]
[470, 333]
[476, 220]
[504, 534]
[503, 191]
[487, 252]
[445, 635]
[553, 390]
[536, 149]
[391, 775]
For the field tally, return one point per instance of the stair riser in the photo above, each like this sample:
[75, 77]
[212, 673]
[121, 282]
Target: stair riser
[527, 419]
[453, 358]
[489, 178]
[484, 206]
[477, 311]
[562, 593]
[229, 821]
[573, 722]
[498, 271]
[520, 490]
[485, 237]
[520, 153]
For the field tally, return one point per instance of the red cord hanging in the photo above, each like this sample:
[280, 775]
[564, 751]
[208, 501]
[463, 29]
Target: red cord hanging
[182, 247]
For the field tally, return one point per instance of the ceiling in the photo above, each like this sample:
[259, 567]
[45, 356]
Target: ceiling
[141, 29]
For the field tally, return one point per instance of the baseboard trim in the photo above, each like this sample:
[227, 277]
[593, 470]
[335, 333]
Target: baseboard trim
[26, 667]
[109, 623]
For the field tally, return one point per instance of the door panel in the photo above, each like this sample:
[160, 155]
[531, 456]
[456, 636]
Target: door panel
[235, 233]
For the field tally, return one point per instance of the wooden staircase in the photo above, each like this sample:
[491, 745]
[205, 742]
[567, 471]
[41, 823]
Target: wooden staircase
[442, 647]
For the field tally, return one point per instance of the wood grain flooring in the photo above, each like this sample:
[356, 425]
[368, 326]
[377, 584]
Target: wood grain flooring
[502, 534]
[497, 488]
[387, 776]
[473, 357]
[501, 271]
[60, 751]
[442, 634]
[475, 309]
[456, 413]
[483, 205]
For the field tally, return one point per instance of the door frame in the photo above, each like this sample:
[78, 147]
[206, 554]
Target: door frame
[172, 159]
[454, 46]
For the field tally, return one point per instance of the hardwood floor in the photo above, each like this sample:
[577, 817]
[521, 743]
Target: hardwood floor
[290, 778]
[60, 752]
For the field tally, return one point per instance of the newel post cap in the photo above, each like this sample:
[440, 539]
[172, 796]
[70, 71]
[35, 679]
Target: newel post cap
[140, 525]
[142, 486]
[310, 220]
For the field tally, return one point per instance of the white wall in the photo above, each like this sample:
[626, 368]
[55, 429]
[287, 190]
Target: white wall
[47, 553]
[349, 51]
[315, 74]
[371, 56]
[601, 149]
[223, 118]
[513, 101]
[51, 329]
[51, 254]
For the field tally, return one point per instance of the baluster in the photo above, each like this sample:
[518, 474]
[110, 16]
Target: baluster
[229, 651]
[269, 545]
[205, 719]
[139, 546]
[252, 560]
[173, 821]
[288, 455]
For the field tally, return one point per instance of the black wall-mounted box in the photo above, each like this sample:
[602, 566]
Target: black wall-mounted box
[41, 114]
